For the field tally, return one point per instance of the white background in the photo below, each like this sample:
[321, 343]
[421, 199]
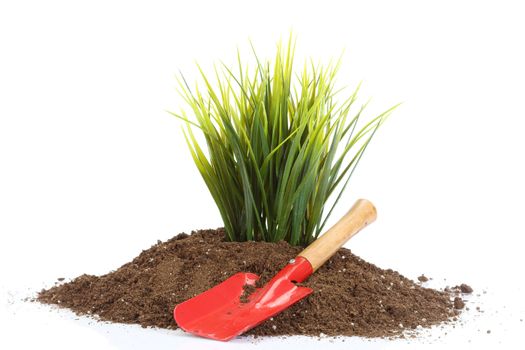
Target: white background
[93, 169]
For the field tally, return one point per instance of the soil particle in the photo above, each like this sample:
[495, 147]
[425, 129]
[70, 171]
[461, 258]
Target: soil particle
[458, 303]
[465, 288]
[248, 289]
[422, 278]
[351, 296]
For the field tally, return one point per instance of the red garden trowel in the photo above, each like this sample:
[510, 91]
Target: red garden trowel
[220, 314]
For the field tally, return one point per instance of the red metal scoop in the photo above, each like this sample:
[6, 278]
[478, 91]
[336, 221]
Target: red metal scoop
[219, 312]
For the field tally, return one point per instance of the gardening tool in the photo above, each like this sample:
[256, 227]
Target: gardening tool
[225, 311]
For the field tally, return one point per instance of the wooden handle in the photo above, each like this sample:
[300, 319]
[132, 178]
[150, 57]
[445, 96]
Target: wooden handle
[360, 215]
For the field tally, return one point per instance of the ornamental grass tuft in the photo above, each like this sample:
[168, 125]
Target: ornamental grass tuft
[276, 145]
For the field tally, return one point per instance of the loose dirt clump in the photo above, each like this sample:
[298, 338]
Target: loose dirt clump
[465, 288]
[458, 303]
[247, 290]
[351, 296]
[422, 278]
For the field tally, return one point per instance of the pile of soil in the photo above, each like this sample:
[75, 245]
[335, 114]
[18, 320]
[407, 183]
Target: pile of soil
[351, 296]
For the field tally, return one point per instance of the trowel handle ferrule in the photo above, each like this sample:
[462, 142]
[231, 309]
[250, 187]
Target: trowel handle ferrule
[296, 271]
[359, 216]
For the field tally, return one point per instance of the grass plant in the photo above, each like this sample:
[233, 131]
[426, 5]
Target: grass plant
[277, 144]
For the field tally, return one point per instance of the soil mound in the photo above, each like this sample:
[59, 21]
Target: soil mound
[351, 296]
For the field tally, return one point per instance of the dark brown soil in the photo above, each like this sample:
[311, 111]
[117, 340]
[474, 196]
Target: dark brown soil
[465, 288]
[247, 290]
[422, 278]
[351, 296]
[458, 303]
